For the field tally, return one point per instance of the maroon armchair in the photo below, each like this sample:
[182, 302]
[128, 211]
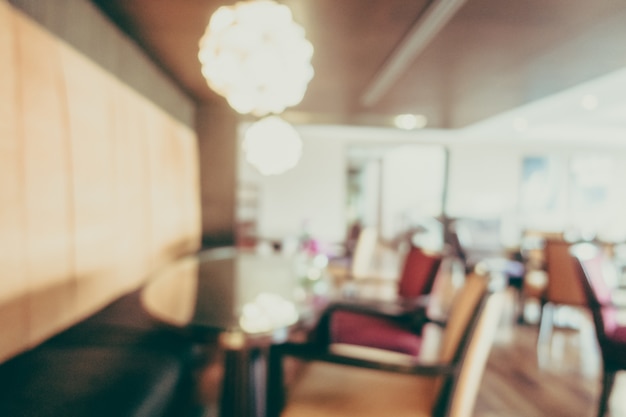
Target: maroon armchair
[590, 264]
[391, 326]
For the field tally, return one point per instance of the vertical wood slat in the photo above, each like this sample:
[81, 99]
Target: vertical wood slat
[97, 185]
[217, 132]
[174, 186]
[47, 181]
[190, 180]
[163, 204]
[131, 183]
[13, 306]
[11, 166]
[91, 162]
[92, 166]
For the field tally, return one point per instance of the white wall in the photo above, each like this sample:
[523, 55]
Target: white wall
[413, 177]
[314, 192]
[484, 179]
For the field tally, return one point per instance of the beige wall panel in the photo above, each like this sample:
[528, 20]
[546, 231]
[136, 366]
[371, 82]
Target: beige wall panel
[82, 25]
[12, 226]
[93, 183]
[14, 325]
[51, 310]
[163, 198]
[46, 179]
[13, 305]
[95, 292]
[90, 109]
[132, 210]
[176, 159]
[190, 185]
[46, 146]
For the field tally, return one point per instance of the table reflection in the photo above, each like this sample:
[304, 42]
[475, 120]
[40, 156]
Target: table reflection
[250, 300]
[230, 289]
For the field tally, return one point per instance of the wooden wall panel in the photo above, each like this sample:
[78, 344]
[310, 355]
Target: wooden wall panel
[90, 111]
[11, 167]
[14, 325]
[217, 140]
[42, 109]
[13, 307]
[83, 26]
[98, 186]
[175, 190]
[190, 180]
[183, 168]
[164, 205]
[132, 209]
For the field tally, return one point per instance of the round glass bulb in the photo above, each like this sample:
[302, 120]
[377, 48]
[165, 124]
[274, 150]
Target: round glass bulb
[272, 146]
[256, 56]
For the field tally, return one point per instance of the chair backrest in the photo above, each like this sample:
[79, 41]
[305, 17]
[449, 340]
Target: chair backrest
[453, 240]
[466, 343]
[418, 272]
[563, 284]
[364, 252]
[474, 360]
[589, 261]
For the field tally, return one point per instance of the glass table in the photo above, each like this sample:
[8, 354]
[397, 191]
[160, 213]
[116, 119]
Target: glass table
[251, 301]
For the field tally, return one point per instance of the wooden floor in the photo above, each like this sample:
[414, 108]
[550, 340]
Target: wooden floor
[561, 378]
[515, 385]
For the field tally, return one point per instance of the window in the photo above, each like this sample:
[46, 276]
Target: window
[580, 195]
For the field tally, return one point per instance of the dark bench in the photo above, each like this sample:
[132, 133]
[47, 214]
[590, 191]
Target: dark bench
[119, 362]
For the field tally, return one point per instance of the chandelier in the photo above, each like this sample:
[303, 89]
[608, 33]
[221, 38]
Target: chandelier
[256, 56]
[272, 146]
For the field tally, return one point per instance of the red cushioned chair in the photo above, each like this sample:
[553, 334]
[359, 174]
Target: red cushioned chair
[393, 326]
[590, 263]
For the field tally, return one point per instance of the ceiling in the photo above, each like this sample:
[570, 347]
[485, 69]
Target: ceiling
[375, 59]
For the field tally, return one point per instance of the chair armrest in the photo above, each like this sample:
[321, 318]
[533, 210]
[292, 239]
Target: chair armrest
[310, 352]
[321, 334]
[398, 308]
[369, 307]
[414, 317]
[414, 310]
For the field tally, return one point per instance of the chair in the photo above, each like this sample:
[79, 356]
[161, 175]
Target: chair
[475, 240]
[340, 385]
[590, 266]
[417, 274]
[478, 243]
[361, 248]
[563, 287]
[388, 325]
[364, 251]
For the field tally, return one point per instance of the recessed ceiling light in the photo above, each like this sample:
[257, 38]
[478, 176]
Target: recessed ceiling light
[410, 121]
[589, 102]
